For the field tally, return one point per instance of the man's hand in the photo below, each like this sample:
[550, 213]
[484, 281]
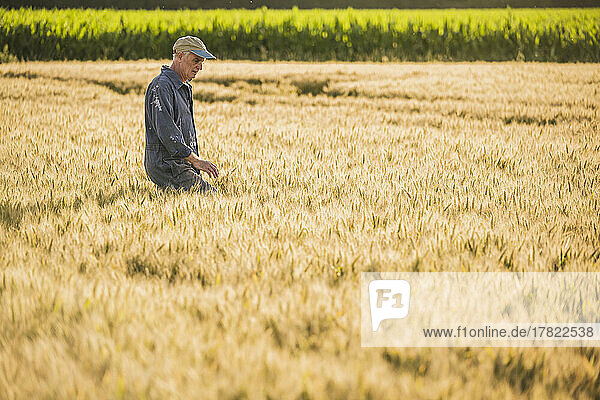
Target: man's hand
[202, 165]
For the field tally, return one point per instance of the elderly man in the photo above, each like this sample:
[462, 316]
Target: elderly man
[171, 159]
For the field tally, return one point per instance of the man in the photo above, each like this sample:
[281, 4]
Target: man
[171, 159]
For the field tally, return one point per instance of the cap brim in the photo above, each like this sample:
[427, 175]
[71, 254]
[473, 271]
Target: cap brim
[204, 53]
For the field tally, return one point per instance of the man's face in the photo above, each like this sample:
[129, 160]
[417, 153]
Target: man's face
[190, 65]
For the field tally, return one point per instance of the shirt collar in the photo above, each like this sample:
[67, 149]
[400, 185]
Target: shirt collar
[172, 75]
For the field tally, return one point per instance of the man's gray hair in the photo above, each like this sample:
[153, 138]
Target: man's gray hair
[175, 54]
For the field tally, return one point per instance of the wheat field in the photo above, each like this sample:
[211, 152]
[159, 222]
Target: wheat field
[112, 288]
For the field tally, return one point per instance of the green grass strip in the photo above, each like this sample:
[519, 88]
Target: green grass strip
[562, 35]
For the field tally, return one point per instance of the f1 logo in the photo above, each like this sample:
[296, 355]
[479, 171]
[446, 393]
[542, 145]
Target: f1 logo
[389, 299]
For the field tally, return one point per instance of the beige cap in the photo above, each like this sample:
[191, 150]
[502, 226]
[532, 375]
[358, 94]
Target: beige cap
[193, 44]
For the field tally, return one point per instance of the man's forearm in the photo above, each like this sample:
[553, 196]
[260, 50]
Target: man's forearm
[192, 158]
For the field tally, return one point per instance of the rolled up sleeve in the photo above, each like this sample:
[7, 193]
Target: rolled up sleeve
[161, 110]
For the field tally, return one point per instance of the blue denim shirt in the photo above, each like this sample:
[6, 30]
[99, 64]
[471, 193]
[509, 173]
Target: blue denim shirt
[170, 129]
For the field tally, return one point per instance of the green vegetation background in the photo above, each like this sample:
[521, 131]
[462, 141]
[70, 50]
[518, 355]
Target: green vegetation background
[560, 35]
[214, 4]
